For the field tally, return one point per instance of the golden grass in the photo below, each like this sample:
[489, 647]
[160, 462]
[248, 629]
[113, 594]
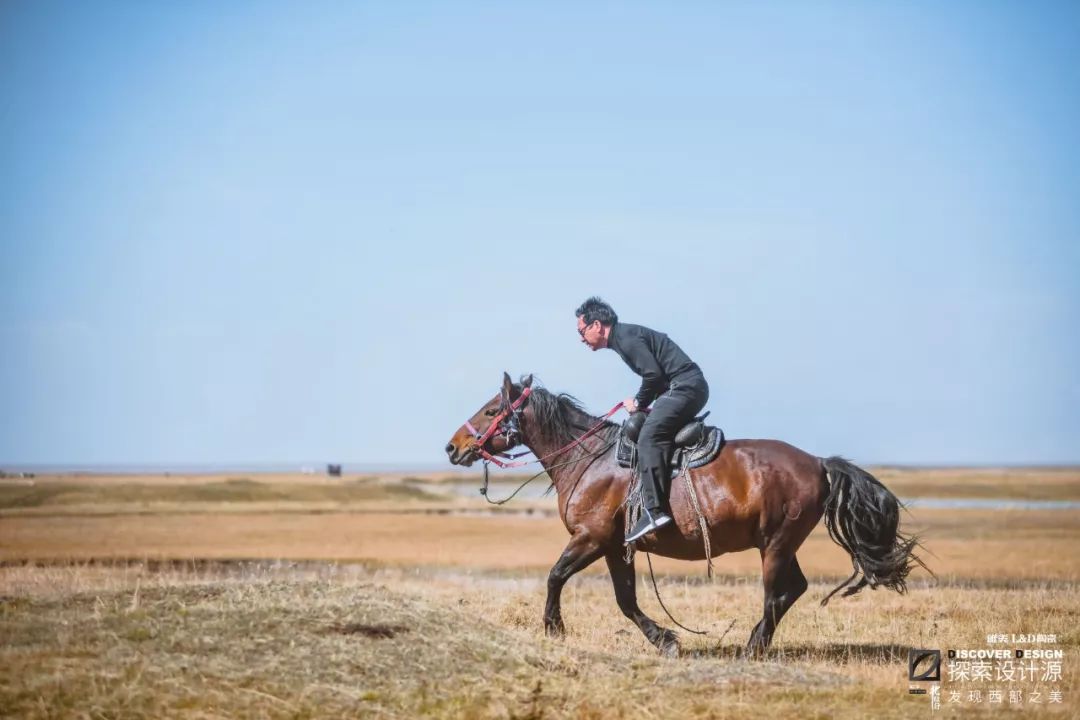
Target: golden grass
[136, 495]
[70, 495]
[435, 611]
[324, 641]
[979, 544]
[1014, 483]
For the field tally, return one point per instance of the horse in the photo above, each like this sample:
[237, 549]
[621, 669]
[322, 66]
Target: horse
[763, 494]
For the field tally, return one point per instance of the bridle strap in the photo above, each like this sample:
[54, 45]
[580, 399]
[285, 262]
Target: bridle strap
[496, 422]
[510, 456]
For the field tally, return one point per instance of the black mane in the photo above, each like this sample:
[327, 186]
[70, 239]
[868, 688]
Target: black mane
[561, 419]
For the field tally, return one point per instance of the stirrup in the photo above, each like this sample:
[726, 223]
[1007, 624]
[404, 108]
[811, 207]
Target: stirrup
[647, 524]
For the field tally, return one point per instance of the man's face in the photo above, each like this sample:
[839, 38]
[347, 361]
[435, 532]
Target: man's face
[591, 334]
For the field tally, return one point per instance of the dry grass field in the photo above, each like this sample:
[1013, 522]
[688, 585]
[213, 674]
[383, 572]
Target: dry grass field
[297, 596]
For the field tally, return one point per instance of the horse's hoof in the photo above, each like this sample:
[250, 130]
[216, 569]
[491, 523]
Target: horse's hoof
[753, 652]
[669, 644]
[554, 629]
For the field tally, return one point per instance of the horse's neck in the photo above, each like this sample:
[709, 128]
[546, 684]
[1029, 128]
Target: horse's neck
[560, 468]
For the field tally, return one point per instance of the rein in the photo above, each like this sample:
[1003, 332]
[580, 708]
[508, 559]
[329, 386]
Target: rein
[484, 490]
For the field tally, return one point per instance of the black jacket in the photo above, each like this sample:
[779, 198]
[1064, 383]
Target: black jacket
[652, 355]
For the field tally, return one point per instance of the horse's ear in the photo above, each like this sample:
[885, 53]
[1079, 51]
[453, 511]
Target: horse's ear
[527, 382]
[507, 387]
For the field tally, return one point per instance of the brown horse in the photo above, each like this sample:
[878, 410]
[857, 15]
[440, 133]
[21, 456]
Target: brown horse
[762, 494]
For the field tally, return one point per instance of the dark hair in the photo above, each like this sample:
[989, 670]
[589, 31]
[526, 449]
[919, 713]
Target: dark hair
[595, 309]
[562, 419]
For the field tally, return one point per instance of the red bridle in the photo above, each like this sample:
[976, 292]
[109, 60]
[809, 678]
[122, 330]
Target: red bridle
[494, 427]
[512, 409]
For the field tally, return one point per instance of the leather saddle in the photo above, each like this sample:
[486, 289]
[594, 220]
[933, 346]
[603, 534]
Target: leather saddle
[696, 444]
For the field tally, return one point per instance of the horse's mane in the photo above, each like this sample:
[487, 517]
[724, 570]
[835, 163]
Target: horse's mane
[562, 419]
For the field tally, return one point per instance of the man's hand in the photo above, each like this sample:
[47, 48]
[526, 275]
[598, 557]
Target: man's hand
[630, 404]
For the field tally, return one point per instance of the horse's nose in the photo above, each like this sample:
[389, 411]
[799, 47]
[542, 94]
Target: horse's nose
[450, 448]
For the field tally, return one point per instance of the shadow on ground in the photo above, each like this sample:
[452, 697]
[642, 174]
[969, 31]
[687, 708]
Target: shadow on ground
[836, 653]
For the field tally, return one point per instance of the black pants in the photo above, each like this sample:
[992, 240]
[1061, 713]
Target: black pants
[670, 412]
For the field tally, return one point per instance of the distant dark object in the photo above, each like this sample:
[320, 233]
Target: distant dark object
[333, 470]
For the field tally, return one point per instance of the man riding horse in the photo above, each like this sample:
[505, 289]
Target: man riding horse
[763, 494]
[670, 382]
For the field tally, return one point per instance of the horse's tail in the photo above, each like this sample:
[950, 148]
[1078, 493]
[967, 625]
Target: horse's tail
[862, 517]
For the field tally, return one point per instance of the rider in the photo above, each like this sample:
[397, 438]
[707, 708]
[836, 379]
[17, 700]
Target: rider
[670, 382]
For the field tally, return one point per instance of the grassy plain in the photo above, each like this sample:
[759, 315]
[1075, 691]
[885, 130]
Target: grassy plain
[297, 596]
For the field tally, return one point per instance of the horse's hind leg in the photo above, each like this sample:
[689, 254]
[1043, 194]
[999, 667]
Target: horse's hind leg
[580, 553]
[622, 577]
[784, 584]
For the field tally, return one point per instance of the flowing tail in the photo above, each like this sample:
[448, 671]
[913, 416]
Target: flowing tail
[863, 517]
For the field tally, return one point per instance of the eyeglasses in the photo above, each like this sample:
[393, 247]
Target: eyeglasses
[585, 329]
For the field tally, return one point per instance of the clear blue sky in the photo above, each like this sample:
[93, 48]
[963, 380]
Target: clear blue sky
[290, 232]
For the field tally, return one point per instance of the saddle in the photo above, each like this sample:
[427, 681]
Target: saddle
[696, 444]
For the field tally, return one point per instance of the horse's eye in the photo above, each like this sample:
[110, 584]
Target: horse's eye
[492, 412]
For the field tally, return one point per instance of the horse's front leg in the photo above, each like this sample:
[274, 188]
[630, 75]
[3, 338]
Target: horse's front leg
[580, 553]
[622, 577]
